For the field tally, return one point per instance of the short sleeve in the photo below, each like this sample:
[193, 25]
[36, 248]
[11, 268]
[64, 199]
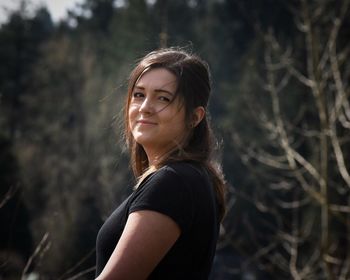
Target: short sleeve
[166, 192]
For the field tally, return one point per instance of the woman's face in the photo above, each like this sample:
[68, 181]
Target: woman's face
[156, 115]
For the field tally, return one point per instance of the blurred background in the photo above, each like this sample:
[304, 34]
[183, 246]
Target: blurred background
[280, 108]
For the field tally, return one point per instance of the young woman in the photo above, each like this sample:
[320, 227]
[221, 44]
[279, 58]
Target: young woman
[168, 227]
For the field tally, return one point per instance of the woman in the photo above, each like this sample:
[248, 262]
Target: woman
[168, 227]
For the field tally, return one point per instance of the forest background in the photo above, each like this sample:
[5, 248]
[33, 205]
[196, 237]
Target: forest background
[280, 107]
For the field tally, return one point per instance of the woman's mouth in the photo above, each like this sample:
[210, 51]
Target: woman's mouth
[145, 122]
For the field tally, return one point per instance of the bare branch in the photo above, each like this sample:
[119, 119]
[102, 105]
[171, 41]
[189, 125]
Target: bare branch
[293, 204]
[307, 269]
[294, 247]
[339, 157]
[82, 260]
[267, 159]
[344, 274]
[341, 95]
[332, 39]
[292, 155]
[340, 208]
[80, 274]
[308, 166]
[299, 76]
[343, 120]
[41, 249]
[260, 253]
[8, 195]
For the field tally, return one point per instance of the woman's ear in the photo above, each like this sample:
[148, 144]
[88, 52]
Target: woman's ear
[198, 115]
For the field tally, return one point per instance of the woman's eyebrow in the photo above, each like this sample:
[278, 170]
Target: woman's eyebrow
[139, 87]
[164, 90]
[156, 90]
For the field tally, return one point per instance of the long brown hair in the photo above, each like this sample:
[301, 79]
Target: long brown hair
[194, 88]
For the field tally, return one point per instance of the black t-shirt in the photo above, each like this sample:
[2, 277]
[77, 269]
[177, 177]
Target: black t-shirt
[184, 192]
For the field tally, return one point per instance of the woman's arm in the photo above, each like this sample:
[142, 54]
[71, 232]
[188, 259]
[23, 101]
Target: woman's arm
[147, 237]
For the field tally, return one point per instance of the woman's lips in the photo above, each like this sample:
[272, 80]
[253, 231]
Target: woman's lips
[145, 122]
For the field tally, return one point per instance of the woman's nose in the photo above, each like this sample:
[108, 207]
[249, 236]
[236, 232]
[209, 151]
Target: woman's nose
[146, 106]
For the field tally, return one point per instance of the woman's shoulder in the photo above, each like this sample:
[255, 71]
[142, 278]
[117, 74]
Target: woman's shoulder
[188, 171]
[184, 167]
[179, 173]
[175, 170]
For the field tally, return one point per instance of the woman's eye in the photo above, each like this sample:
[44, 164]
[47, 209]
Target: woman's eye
[137, 94]
[163, 98]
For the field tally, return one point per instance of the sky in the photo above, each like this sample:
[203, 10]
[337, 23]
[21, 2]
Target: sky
[57, 8]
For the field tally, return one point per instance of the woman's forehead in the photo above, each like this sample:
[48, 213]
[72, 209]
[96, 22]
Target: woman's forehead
[158, 78]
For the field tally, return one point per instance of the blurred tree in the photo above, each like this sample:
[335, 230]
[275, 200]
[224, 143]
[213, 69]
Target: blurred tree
[20, 39]
[67, 150]
[76, 103]
[296, 149]
[15, 236]
[174, 22]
